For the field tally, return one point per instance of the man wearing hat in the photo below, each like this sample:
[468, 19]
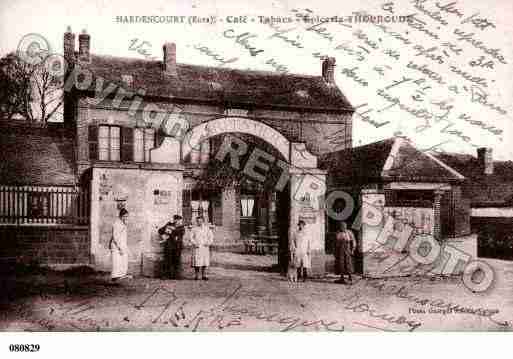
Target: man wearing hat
[172, 233]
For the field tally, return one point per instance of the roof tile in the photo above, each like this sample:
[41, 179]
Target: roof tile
[222, 85]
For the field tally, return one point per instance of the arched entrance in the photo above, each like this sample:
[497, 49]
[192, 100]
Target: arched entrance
[224, 125]
[234, 164]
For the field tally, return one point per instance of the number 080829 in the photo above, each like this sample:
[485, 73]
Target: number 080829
[24, 347]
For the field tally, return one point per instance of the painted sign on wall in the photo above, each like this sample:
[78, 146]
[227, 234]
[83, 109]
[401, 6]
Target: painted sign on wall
[161, 197]
[421, 219]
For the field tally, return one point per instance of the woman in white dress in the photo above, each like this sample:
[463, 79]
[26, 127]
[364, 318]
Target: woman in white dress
[119, 246]
[300, 248]
[201, 239]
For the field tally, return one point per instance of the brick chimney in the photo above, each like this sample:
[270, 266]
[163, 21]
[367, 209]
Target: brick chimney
[70, 58]
[69, 46]
[170, 58]
[485, 159]
[328, 70]
[84, 46]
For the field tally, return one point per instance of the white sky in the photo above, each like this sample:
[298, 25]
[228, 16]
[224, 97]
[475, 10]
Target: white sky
[50, 19]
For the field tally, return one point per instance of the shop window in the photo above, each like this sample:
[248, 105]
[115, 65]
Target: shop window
[144, 141]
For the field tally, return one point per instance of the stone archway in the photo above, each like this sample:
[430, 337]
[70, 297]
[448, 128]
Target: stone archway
[305, 182]
[237, 125]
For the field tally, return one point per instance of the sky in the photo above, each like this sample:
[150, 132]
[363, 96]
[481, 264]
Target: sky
[440, 107]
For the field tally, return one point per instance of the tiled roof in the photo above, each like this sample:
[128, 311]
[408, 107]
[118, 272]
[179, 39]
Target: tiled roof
[362, 164]
[394, 159]
[413, 165]
[495, 189]
[36, 156]
[223, 85]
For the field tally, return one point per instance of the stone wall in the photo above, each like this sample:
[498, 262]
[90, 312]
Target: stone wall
[387, 242]
[45, 245]
[151, 197]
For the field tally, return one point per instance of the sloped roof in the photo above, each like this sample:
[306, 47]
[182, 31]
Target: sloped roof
[495, 189]
[362, 164]
[222, 85]
[36, 156]
[393, 159]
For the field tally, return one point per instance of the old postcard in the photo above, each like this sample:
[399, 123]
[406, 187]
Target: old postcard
[228, 166]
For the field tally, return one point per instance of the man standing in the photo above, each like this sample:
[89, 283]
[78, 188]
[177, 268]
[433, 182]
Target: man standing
[172, 234]
[176, 248]
[201, 239]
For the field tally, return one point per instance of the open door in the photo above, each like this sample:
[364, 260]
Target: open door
[283, 220]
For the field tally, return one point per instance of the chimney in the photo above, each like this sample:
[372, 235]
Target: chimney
[69, 46]
[485, 159]
[328, 70]
[84, 45]
[70, 59]
[170, 58]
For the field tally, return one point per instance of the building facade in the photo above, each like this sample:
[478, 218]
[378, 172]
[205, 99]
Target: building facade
[253, 152]
[163, 138]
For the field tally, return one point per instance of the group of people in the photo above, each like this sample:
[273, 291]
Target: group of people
[202, 237]
[300, 257]
[171, 235]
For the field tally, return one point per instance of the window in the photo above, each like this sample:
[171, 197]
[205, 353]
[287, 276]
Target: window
[144, 141]
[109, 143]
[38, 204]
[247, 204]
[200, 208]
[201, 153]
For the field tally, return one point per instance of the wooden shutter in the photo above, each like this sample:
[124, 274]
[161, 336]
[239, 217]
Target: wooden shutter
[217, 209]
[127, 144]
[93, 142]
[159, 137]
[186, 206]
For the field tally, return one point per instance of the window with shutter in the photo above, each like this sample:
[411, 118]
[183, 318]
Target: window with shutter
[104, 143]
[93, 142]
[109, 143]
[144, 141]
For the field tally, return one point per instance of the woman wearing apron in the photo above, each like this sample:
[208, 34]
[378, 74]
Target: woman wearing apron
[345, 247]
[119, 246]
